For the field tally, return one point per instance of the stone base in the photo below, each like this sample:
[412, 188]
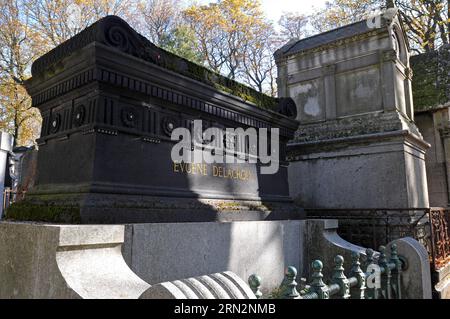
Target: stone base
[171, 251]
[65, 261]
[123, 261]
[385, 170]
[94, 208]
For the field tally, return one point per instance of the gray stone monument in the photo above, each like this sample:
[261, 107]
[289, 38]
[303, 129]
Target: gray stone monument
[6, 142]
[416, 278]
[357, 146]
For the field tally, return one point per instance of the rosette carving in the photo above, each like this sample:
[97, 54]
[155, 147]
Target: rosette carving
[55, 123]
[79, 115]
[287, 107]
[168, 124]
[130, 117]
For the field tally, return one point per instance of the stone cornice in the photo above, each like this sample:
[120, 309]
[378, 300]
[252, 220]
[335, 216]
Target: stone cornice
[115, 33]
[123, 71]
[332, 45]
[295, 150]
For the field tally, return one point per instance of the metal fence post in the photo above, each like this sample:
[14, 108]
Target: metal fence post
[385, 274]
[340, 279]
[371, 292]
[357, 292]
[396, 273]
[289, 288]
[317, 284]
[254, 281]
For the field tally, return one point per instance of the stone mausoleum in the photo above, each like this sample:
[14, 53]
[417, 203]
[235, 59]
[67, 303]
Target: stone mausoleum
[110, 100]
[358, 145]
[110, 215]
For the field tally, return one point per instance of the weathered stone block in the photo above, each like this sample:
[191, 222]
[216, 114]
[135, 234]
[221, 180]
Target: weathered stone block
[65, 261]
[245, 248]
[362, 149]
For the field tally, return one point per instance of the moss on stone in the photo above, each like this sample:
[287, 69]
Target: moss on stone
[27, 211]
[428, 85]
[200, 73]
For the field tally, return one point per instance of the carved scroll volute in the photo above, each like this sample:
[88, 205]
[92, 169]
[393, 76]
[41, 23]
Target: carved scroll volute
[118, 34]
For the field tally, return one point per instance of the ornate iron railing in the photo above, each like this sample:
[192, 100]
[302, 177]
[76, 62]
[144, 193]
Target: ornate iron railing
[380, 280]
[439, 220]
[372, 227]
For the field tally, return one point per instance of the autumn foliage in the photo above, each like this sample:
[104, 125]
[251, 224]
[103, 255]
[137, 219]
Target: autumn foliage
[233, 37]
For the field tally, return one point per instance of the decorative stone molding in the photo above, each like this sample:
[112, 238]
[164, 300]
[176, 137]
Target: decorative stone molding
[389, 55]
[55, 261]
[329, 69]
[225, 285]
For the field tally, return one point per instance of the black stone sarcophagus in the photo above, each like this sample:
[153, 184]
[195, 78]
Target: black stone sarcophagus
[109, 101]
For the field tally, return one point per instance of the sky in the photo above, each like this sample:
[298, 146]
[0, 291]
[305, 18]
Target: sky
[275, 8]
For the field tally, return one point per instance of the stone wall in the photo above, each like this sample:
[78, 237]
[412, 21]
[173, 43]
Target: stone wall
[430, 123]
[431, 82]
[167, 252]
[86, 261]
[431, 91]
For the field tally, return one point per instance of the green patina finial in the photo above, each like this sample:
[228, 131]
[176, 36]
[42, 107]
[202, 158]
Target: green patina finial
[317, 284]
[369, 256]
[291, 272]
[254, 282]
[394, 250]
[382, 259]
[339, 262]
[369, 253]
[317, 266]
[355, 258]
[290, 291]
[340, 279]
[395, 258]
[317, 274]
[357, 292]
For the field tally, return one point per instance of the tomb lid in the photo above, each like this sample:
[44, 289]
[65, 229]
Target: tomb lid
[335, 35]
[115, 32]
